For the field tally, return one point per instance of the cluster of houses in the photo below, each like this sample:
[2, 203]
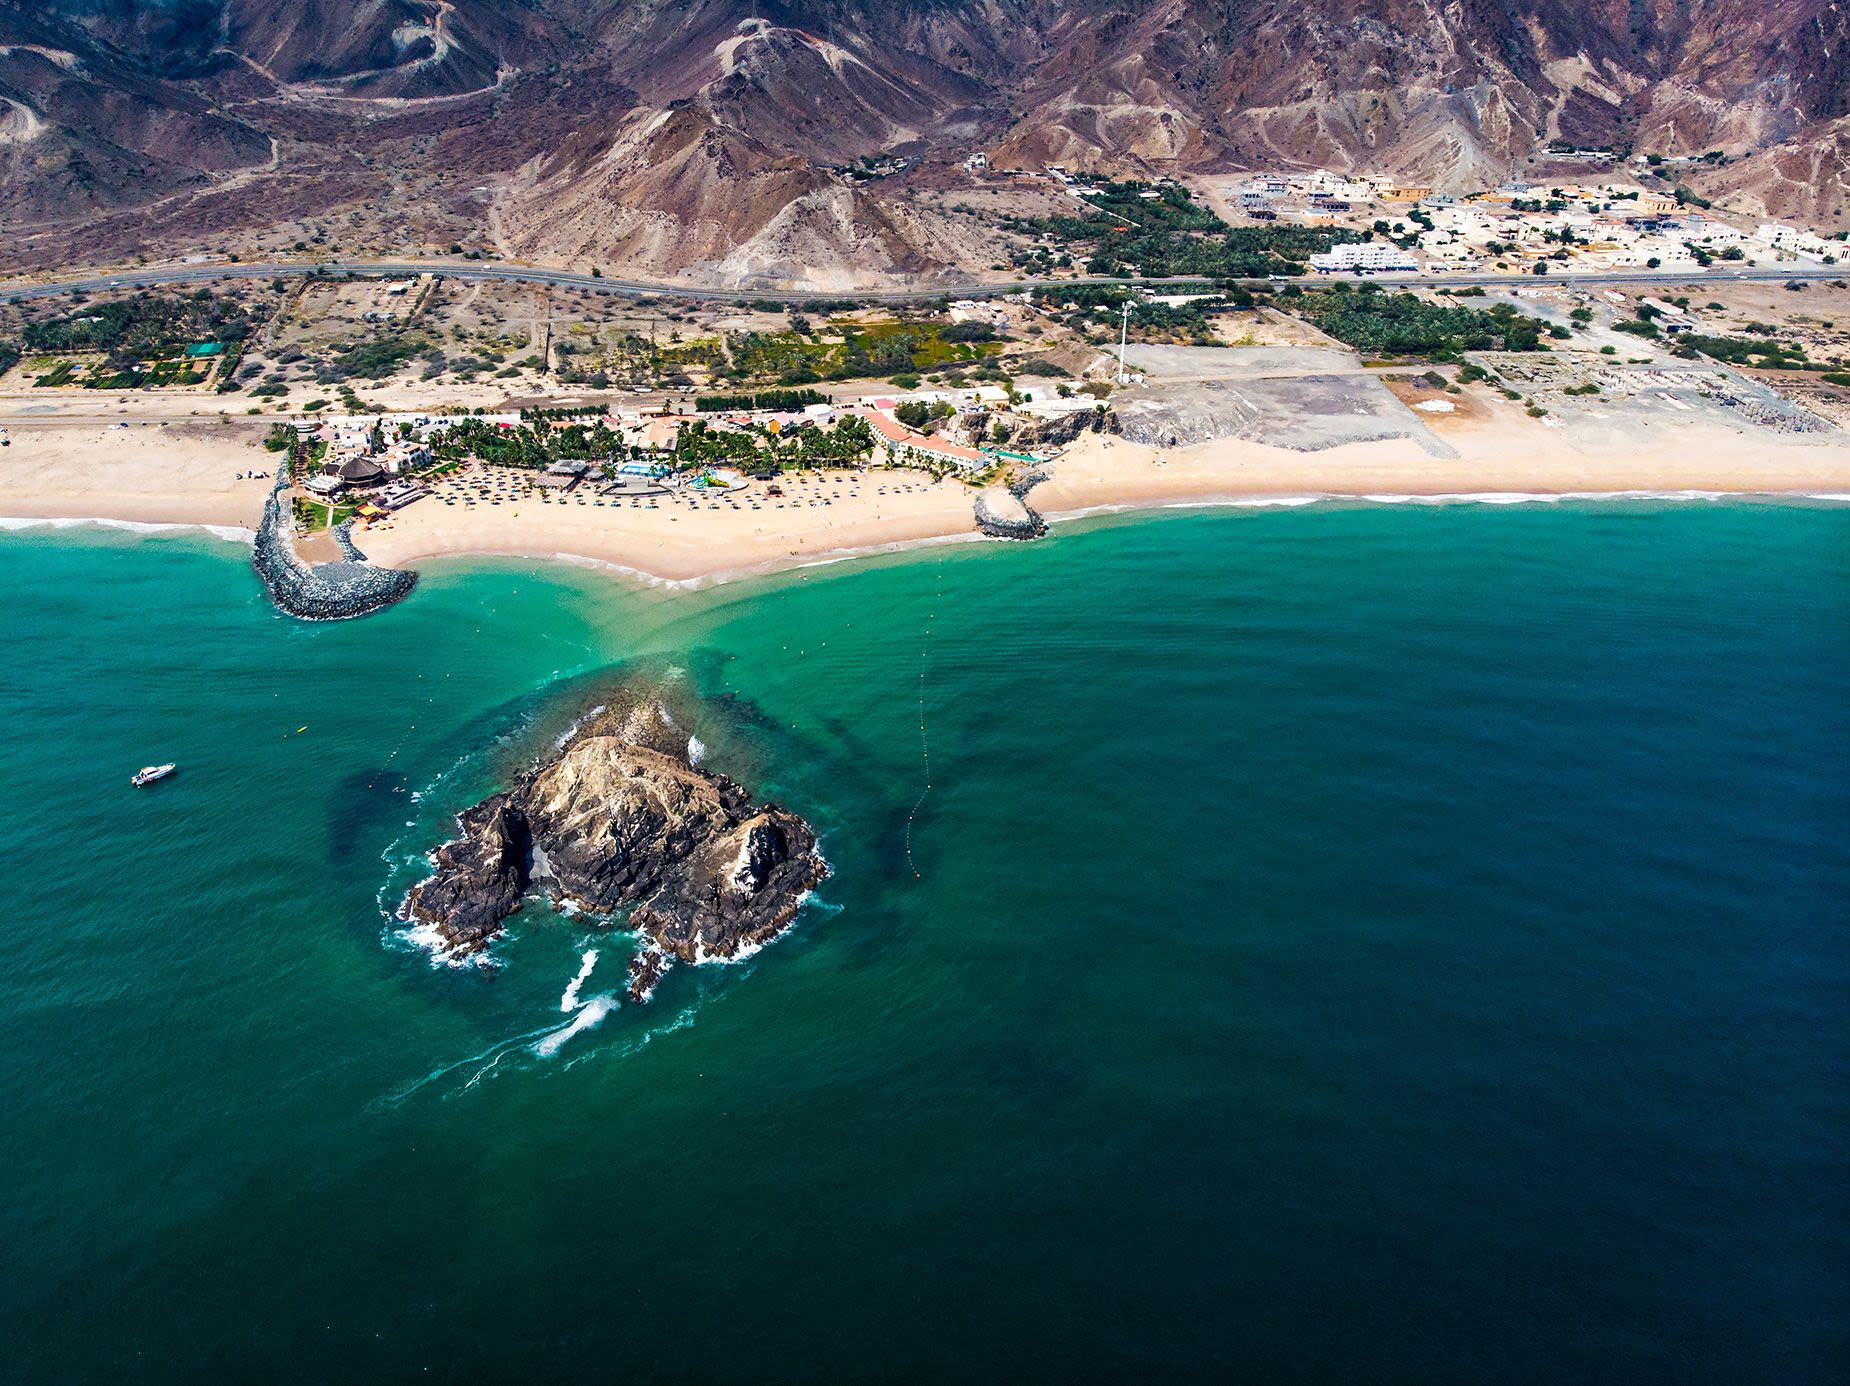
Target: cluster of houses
[1318, 198]
[1604, 226]
[1608, 225]
[1798, 242]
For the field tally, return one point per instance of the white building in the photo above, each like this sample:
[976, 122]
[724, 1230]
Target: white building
[1670, 255]
[1671, 320]
[1367, 257]
[405, 456]
[1792, 241]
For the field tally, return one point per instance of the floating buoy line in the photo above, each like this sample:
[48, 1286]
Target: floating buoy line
[924, 739]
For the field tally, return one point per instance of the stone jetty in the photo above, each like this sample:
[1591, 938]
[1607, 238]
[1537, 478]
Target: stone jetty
[349, 586]
[1002, 514]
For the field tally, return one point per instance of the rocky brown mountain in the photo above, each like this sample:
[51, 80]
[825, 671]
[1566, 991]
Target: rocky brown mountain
[717, 139]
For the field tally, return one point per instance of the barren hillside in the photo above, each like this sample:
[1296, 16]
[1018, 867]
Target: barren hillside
[716, 139]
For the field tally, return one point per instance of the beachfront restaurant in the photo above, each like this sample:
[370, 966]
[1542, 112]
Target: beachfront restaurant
[561, 475]
[363, 470]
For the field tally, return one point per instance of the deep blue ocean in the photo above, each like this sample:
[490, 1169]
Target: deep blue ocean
[1335, 944]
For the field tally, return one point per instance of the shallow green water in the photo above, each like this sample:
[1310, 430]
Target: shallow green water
[1372, 943]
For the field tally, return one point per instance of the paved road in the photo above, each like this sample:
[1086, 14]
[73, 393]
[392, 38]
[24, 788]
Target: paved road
[630, 288]
[1598, 278]
[500, 272]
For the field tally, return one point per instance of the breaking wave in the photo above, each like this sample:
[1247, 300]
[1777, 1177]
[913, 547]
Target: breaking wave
[589, 1017]
[230, 533]
[569, 1001]
[424, 937]
[565, 736]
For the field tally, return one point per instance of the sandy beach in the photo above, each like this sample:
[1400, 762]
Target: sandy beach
[186, 471]
[682, 537]
[183, 471]
[1493, 460]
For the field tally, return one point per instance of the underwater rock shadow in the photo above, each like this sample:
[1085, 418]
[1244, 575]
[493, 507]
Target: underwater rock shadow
[361, 808]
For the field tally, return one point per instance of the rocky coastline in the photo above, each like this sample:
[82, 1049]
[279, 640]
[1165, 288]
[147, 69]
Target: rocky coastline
[337, 591]
[617, 820]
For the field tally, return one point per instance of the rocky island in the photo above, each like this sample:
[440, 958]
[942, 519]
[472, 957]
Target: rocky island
[620, 820]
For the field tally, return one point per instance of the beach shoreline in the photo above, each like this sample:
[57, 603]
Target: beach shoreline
[209, 479]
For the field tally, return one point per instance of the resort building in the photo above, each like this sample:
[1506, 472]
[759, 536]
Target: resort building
[406, 456]
[903, 445]
[653, 434]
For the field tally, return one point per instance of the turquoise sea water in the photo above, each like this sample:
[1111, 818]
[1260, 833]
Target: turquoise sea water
[1335, 944]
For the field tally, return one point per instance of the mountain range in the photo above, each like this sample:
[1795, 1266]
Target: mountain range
[755, 142]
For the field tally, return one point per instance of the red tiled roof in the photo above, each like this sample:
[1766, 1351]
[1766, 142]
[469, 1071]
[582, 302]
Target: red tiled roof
[898, 435]
[944, 449]
[887, 426]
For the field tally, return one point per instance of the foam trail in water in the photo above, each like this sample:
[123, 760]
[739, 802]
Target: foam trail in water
[696, 750]
[589, 1017]
[492, 1054]
[569, 1002]
[682, 1021]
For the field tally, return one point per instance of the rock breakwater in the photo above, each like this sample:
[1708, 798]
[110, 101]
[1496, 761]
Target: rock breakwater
[1001, 513]
[347, 587]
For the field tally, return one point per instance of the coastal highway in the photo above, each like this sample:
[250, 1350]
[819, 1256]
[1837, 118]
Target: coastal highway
[504, 272]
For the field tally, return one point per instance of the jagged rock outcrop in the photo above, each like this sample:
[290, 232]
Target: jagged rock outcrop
[613, 824]
[480, 876]
[1062, 429]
